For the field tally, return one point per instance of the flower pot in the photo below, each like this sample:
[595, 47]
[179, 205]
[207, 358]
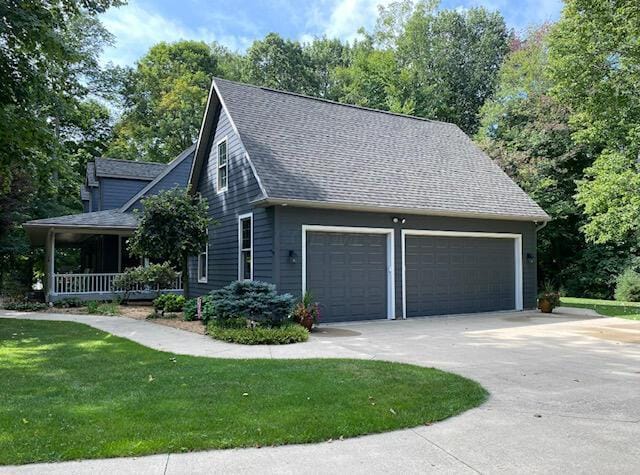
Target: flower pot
[545, 306]
[307, 323]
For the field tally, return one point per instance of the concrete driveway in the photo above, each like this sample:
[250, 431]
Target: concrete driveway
[565, 397]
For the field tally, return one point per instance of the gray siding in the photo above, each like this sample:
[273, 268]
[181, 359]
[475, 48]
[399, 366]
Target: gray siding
[225, 209]
[95, 198]
[289, 223]
[179, 176]
[114, 192]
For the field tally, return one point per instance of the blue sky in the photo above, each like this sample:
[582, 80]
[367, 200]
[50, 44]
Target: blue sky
[236, 23]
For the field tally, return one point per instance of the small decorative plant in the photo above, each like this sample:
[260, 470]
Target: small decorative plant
[306, 312]
[548, 298]
[168, 304]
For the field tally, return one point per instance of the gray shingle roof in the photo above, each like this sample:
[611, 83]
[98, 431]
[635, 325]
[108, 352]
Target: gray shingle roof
[85, 194]
[315, 150]
[112, 218]
[128, 168]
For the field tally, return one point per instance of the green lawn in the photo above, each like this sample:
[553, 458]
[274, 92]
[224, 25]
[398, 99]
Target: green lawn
[609, 308]
[70, 391]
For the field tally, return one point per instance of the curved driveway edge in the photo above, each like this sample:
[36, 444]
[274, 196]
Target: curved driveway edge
[564, 397]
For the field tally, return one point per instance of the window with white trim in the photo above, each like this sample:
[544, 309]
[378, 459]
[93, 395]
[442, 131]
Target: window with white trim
[223, 166]
[203, 261]
[245, 247]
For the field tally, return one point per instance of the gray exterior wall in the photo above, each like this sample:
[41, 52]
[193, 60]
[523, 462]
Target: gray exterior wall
[95, 198]
[289, 220]
[114, 192]
[179, 176]
[225, 209]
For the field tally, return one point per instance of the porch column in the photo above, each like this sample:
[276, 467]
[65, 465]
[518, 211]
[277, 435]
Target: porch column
[119, 253]
[50, 259]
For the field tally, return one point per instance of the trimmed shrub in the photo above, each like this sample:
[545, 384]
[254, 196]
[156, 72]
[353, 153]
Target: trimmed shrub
[152, 277]
[253, 300]
[170, 303]
[282, 335]
[190, 310]
[628, 286]
[25, 306]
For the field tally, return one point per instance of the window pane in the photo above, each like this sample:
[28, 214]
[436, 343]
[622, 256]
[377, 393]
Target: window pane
[202, 266]
[222, 154]
[222, 178]
[246, 234]
[246, 264]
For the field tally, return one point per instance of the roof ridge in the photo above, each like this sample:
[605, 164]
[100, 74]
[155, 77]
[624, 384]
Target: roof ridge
[126, 160]
[329, 101]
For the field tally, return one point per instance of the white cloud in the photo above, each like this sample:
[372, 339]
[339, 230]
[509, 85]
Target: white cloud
[343, 18]
[519, 15]
[136, 29]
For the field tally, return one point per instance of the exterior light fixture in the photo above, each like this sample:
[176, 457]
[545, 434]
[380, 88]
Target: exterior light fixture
[530, 258]
[293, 257]
[397, 220]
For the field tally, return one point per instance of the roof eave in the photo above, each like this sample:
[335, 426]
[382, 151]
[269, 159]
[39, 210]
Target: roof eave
[390, 209]
[76, 226]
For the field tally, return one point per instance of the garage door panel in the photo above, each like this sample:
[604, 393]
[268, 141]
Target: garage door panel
[446, 275]
[347, 274]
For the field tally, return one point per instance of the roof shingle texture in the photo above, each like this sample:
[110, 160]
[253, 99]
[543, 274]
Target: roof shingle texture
[109, 218]
[128, 168]
[309, 149]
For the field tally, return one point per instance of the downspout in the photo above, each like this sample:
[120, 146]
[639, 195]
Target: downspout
[541, 226]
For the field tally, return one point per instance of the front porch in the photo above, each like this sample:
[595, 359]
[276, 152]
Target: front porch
[100, 287]
[83, 260]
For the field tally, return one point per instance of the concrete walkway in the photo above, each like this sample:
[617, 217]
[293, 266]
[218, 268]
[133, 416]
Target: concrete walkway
[565, 397]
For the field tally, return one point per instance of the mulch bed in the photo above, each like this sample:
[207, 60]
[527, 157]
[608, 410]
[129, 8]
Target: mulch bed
[142, 312]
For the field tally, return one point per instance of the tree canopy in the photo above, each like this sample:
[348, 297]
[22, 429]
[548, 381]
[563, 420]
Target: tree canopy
[595, 63]
[171, 226]
[164, 99]
[51, 119]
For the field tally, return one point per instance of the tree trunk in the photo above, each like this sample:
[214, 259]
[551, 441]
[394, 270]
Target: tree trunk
[185, 276]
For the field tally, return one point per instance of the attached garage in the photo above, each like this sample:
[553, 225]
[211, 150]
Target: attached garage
[448, 272]
[334, 192]
[349, 271]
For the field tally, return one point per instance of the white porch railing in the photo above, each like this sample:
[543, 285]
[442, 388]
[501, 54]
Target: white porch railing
[95, 284]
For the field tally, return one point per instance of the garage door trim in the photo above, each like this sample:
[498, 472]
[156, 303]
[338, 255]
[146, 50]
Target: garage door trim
[391, 310]
[517, 249]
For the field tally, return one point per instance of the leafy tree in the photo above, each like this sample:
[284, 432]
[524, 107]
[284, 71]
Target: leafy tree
[164, 100]
[450, 58]
[171, 226]
[280, 64]
[372, 79]
[526, 131]
[48, 64]
[325, 56]
[595, 59]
